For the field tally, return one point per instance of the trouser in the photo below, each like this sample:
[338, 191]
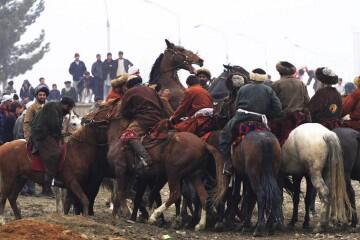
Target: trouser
[107, 86]
[98, 87]
[50, 153]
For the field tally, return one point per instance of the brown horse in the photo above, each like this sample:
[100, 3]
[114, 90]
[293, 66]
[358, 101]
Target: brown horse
[181, 155]
[164, 70]
[15, 167]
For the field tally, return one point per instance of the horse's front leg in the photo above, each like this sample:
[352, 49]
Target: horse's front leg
[119, 194]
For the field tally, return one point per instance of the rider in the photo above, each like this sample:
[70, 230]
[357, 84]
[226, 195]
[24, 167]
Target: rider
[351, 105]
[117, 88]
[46, 135]
[40, 97]
[326, 105]
[204, 77]
[143, 107]
[195, 110]
[294, 97]
[254, 101]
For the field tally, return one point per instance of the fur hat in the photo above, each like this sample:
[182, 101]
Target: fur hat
[357, 81]
[285, 68]
[258, 75]
[42, 89]
[203, 71]
[326, 76]
[119, 81]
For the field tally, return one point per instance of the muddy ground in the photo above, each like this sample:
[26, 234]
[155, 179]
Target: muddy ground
[39, 212]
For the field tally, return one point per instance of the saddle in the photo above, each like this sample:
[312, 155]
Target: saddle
[104, 113]
[242, 129]
[37, 163]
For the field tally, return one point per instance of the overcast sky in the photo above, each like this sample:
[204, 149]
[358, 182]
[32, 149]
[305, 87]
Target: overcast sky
[258, 33]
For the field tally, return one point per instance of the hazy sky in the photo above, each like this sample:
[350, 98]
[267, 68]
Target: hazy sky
[258, 33]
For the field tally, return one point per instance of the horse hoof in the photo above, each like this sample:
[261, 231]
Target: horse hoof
[257, 233]
[219, 227]
[199, 227]
[152, 219]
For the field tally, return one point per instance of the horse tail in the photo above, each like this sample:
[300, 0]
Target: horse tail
[221, 180]
[338, 196]
[270, 191]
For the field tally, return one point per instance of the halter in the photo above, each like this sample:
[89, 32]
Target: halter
[175, 53]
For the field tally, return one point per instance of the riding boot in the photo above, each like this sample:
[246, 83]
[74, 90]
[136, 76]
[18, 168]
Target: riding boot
[48, 178]
[139, 149]
[228, 167]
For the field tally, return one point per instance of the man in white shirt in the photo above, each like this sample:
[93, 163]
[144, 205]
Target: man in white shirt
[123, 64]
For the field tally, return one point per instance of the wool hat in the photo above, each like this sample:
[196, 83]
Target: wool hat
[326, 76]
[42, 89]
[203, 71]
[119, 81]
[6, 97]
[357, 81]
[67, 82]
[285, 68]
[258, 75]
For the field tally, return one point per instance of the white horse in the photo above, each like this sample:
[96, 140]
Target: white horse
[71, 123]
[314, 150]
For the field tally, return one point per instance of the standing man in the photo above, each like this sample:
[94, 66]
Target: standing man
[69, 91]
[46, 135]
[42, 83]
[97, 72]
[122, 64]
[109, 73]
[294, 97]
[77, 69]
[40, 97]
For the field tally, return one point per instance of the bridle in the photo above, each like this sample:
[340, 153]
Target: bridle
[174, 53]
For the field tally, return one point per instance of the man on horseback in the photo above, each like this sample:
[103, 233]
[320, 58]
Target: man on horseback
[40, 97]
[117, 88]
[351, 105]
[326, 105]
[294, 97]
[46, 135]
[195, 110]
[143, 107]
[255, 101]
[204, 77]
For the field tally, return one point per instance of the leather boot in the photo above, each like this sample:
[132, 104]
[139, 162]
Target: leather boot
[48, 178]
[139, 149]
[228, 167]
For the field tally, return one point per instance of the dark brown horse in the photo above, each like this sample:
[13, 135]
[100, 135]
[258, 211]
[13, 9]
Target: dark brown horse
[15, 167]
[164, 70]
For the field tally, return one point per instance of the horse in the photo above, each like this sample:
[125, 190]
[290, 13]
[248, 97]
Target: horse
[16, 168]
[189, 151]
[164, 70]
[314, 151]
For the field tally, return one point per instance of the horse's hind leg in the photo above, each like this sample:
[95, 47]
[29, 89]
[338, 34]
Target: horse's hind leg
[323, 190]
[175, 194]
[351, 195]
[296, 200]
[75, 187]
[202, 194]
[19, 184]
[5, 191]
[308, 199]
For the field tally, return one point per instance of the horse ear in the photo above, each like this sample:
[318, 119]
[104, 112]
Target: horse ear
[169, 44]
[227, 66]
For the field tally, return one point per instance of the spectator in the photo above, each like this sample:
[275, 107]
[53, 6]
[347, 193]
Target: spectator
[340, 87]
[15, 98]
[27, 92]
[77, 69]
[18, 130]
[109, 70]
[349, 88]
[97, 103]
[54, 94]
[69, 91]
[9, 89]
[122, 64]
[41, 84]
[7, 121]
[97, 72]
[86, 94]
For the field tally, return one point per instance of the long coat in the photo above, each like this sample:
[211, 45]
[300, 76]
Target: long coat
[351, 106]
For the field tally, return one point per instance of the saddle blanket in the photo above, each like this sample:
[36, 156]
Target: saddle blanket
[36, 162]
[246, 127]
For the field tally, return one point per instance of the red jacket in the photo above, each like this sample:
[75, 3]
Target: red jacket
[195, 98]
[113, 95]
[351, 105]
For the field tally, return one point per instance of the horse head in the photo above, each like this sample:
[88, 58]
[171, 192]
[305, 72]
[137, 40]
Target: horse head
[72, 122]
[182, 58]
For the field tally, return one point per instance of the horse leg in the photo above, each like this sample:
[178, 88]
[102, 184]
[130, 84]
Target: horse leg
[120, 193]
[76, 189]
[175, 194]
[296, 200]
[351, 195]
[247, 206]
[308, 199]
[202, 194]
[140, 188]
[323, 190]
[260, 227]
[19, 184]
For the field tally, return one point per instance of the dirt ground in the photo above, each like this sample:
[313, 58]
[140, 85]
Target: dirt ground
[41, 222]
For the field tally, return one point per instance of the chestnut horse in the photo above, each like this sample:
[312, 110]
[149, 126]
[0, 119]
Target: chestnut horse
[15, 167]
[164, 70]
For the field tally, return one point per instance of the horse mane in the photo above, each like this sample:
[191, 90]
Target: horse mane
[155, 70]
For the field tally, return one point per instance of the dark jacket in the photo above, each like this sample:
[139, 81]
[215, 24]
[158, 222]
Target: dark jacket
[142, 104]
[109, 67]
[18, 127]
[27, 93]
[127, 64]
[77, 70]
[48, 121]
[325, 105]
[97, 70]
[292, 93]
[54, 95]
[7, 122]
[71, 94]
